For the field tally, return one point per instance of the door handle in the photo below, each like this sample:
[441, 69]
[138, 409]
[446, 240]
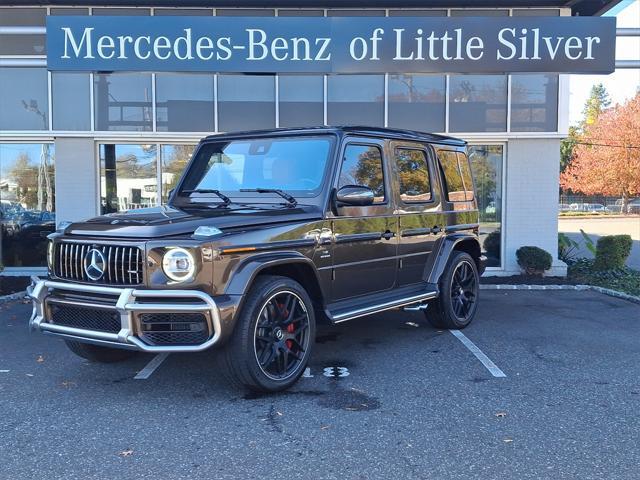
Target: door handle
[436, 229]
[388, 235]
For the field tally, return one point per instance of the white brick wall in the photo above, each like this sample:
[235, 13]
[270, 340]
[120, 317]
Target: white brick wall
[76, 179]
[531, 207]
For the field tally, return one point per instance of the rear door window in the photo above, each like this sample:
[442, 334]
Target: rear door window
[413, 175]
[467, 179]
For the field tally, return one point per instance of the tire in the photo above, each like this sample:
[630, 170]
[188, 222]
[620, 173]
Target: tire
[457, 303]
[273, 337]
[97, 354]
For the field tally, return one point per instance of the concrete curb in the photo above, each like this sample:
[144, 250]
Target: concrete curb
[605, 291]
[12, 296]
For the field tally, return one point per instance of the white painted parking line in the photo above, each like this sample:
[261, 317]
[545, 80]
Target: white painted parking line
[151, 366]
[486, 361]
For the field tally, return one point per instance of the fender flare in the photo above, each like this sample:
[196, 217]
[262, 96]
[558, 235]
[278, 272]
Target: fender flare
[245, 273]
[449, 245]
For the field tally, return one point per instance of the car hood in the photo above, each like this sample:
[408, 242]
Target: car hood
[167, 221]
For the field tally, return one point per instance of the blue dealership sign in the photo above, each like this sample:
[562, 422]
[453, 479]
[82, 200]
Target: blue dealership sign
[332, 45]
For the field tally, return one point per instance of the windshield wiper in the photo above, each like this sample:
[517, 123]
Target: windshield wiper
[291, 201]
[218, 193]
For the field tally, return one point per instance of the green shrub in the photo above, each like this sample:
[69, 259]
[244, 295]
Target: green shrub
[612, 251]
[533, 260]
[492, 244]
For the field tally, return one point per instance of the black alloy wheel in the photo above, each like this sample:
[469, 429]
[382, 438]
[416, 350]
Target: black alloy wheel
[272, 339]
[281, 335]
[457, 303]
[463, 290]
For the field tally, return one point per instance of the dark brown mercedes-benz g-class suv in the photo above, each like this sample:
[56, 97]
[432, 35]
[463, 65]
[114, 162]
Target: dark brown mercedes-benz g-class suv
[265, 234]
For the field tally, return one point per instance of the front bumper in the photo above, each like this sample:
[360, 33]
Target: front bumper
[128, 308]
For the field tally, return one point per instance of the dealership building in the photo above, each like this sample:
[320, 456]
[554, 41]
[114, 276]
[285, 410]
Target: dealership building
[95, 138]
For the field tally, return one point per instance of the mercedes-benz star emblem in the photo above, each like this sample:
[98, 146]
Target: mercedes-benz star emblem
[94, 264]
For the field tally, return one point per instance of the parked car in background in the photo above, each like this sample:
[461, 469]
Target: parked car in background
[595, 208]
[564, 207]
[633, 207]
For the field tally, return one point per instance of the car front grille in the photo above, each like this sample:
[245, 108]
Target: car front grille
[123, 265]
[173, 328]
[104, 320]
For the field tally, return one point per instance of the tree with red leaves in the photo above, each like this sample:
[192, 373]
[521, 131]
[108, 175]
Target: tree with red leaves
[607, 156]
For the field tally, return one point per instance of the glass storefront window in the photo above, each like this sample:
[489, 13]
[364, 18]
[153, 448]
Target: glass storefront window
[246, 102]
[123, 101]
[174, 160]
[184, 103]
[23, 99]
[128, 177]
[183, 12]
[22, 44]
[70, 89]
[478, 103]
[27, 203]
[534, 103]
[301, 100]
[142, 12]
[245, 12]
[486, 163]
[355, 100]
[417, 102]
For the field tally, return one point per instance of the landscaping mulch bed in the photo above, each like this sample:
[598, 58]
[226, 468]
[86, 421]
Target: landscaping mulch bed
[10, 285]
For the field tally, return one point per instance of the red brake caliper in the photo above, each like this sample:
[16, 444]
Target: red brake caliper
[290, 329]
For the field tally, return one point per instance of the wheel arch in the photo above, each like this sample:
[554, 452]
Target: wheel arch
[287, 264]
[456, 243]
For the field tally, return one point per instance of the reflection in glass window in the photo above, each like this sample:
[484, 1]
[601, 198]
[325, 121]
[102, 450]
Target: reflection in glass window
[127, 177]
[27, 203]
[486, 163]
[362, 165]
[174, 160]
[301, 100]
[534, 103]
[356, 100]
[467, 179]
[246, 102]
[23, 99]
[413, 175]
[452, 175]
[184, 103]
[70, 89]
[295, 165]
[478, 103]
[417, 102]
[123, 101]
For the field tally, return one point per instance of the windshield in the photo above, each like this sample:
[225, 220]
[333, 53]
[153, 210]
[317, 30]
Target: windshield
[295, 165]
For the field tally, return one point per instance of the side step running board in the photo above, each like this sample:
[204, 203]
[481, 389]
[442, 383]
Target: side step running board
[415, 308]
[401, 302]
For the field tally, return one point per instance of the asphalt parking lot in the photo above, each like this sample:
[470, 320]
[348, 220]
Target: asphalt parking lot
[412, 402]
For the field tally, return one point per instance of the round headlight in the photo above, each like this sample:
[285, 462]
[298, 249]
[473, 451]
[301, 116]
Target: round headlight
[178, 264]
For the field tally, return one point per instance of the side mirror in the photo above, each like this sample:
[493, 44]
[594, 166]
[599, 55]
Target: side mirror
[170, 194]
[354, 196]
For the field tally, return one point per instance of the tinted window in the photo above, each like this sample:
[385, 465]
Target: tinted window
[184, 103]
[246, 102]
[413, 175]
[123, 101]
[301, 100]
[417, 102]
[465, 170]
[23, 99]
[292, 164]
[478, 103]
[452, 175]
[362, 165]
[70, 89]
[534, 103]
[356, 100]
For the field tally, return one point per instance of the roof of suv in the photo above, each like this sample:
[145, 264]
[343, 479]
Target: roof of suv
[379, 132]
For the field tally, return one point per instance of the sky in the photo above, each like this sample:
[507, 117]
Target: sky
[621, 84]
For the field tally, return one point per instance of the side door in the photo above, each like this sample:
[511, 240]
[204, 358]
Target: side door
[365, 239]
[420, 217]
